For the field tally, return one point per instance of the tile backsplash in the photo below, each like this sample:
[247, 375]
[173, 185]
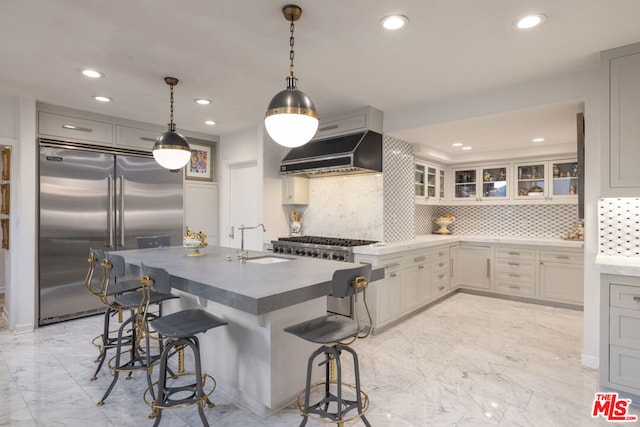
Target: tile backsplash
[537, 221]
[619, 226]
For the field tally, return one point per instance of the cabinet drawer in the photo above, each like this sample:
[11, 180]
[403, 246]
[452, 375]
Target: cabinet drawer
[624, 296]
[516, 288]
[416, 258]
[391, 265]
[624, 366]
[561, 256]
[441, 265]
[514, 277]
[75, 128]
[440, 254]
[516, 253]
[440, 276]
[624, 327]
[438, 287]
[141, 139]
[515, 266]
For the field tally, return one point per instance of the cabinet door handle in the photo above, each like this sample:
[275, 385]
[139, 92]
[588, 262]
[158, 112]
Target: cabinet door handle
[146, 138]
[514, 263]
[514, 287]
[442, 276]
[488, 269]
[441, 288]
[513, 275]
[451, 268]
[514, 253]
[326, 128]
[420, 267]
[440, 253]
[393, 264]
[636, 299]
[392, 275]
[419, 259]
[442, 264]
[562, 257]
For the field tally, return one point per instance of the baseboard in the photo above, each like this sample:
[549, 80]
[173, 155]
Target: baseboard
[24, 328]
[590, 361]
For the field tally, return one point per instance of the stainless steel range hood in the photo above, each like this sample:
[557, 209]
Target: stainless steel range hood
[340, 155]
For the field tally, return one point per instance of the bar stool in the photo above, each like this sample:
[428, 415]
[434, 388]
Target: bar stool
[111, 285]
[138, 302]
[335, 334]
[179, 331]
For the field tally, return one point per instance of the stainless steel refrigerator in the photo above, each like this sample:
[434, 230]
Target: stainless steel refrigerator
[96, 198]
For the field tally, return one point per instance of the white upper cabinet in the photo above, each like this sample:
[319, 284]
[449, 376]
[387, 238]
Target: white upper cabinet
[547, 180]
[429, 183]
[481, 183]
[140, 139]
[74, 128]
[620, 124]
[367, 118]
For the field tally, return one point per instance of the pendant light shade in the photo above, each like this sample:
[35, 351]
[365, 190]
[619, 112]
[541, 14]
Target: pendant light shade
[171, 150]
[291, 118]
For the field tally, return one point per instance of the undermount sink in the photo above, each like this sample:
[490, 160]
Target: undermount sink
[268, 259]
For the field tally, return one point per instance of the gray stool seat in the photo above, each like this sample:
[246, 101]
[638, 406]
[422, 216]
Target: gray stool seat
[186, 323]
[134, 299]
[326, 329]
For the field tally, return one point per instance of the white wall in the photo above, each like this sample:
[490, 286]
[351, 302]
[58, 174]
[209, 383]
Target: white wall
[18, 129]
[581, 85]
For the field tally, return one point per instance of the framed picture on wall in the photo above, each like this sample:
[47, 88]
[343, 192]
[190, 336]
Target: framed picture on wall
[6, 163]
[200, 167]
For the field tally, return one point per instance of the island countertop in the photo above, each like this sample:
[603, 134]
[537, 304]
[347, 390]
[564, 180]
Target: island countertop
[250, 287]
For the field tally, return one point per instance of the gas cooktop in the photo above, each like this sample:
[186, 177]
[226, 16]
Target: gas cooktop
[326, 241]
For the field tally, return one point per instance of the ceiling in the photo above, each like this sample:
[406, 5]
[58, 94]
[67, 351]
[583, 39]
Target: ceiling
[237, 53]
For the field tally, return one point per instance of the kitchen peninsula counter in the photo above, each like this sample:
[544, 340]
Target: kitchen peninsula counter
[251, 287]
[255, 363]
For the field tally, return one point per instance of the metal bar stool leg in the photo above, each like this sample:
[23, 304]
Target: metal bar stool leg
[117, 363]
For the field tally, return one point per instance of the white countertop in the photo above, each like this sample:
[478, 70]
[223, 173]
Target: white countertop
[622, 265]
[426, 241]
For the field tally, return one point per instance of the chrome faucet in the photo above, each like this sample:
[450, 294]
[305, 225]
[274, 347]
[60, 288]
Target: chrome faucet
[242, 254]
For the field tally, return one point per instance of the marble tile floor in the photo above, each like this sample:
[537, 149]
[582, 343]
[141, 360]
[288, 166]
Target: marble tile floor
[468, 361]
[3, 323]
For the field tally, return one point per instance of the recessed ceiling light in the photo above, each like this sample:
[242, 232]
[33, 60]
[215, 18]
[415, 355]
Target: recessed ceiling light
[202, 101]
[466, 148]
[394, 22]
[530, 21]
[537, 140]
[457, 144]
[87, 72]
[209, 122]
[101, 98]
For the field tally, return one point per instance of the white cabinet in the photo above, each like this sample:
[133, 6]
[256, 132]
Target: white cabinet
[140, 139]
[429, 183]
[620, 333]
[387, 293]
[620, 124]
[515, 272]
[440, 273]
[561, 276]
[367, 118]
[74, 128]
[475, 266]
[481, 183]
[546, 180]
[295, 190]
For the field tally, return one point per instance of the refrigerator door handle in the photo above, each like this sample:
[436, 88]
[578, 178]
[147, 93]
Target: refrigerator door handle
[110, 214]
[122, 211]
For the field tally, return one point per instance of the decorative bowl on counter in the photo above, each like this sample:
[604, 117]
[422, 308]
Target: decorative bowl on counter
[443, 222]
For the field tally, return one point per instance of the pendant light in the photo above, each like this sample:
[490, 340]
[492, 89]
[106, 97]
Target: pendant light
[171, 150]
[291, 118]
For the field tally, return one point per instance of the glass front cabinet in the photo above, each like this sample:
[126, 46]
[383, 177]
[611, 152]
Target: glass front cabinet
[429, 183]
[555, 179]
[483, 183]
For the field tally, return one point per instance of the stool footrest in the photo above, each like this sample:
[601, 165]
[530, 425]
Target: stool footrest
[321, 407]
[169, 403]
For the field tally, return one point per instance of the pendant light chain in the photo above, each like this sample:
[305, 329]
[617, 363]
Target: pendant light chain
[171, 108]
[291, 52]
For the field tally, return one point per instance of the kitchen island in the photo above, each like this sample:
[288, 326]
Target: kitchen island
[254, 361]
